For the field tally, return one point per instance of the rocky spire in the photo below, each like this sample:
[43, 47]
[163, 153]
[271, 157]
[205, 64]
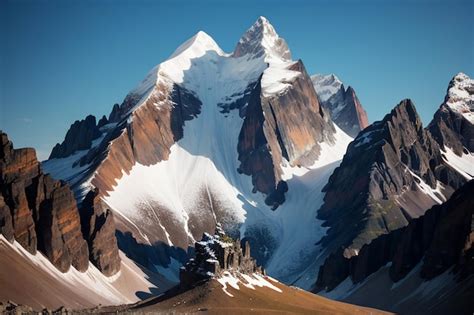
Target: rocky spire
[216, 254]
[261, 40]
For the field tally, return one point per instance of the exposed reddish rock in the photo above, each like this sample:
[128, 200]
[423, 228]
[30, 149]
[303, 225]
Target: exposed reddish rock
[270, 134]
[147, 136]
[98, 228]
[79, 137]
[43, 212]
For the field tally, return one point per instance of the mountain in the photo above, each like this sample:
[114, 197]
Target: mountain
[239, 139]
[392, 173]
[246, 142]
[343, 105]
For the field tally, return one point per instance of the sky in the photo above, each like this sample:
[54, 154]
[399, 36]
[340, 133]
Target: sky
[63, 60]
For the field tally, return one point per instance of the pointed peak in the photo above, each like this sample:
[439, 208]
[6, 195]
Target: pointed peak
[326, 85]
[261, 40]
[198, 45]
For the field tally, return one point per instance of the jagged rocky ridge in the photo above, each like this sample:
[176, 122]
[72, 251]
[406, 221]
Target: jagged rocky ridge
[396, 171]
[442, 237]
[41, 213]
[343, 104]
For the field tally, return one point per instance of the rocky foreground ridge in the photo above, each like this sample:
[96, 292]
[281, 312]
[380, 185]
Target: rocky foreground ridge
[216, 254]
[41, 213]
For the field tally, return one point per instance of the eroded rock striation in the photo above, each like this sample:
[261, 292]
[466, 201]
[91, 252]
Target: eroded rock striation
[41, 213]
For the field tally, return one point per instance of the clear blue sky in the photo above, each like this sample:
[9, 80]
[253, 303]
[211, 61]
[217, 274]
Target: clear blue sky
[62, 60]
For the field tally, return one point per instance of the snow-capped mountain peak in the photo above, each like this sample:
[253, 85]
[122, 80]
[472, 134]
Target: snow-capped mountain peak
[197, 46]
[460, 96]
[261, 40]
[326, 85]
[180, 61]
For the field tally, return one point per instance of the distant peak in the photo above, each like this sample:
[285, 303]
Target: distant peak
[460, 95]
[198, 44]
[326, 85]
[261, 40]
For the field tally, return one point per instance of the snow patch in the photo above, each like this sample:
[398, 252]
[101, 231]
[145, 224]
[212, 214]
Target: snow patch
[463, 164]
[249, 281]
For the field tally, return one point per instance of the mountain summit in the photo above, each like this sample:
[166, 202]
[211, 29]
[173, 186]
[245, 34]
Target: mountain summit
[261, 40]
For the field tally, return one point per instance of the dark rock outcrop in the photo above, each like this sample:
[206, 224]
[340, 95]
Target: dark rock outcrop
[98, 228]
[215, 254]
[102, 122]
[6, 225]
[442, 237]
[79, 137]
[392, 172]
[453, 124]
[41, 211]
[270, 135]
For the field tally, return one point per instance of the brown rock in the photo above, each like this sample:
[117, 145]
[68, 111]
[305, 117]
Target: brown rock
[22, 218]
[286, 126]
[6, 225]
[63, 206]
[98, 227]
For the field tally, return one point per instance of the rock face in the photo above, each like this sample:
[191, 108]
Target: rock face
[214, 255]
[254, 42]
[391, 174]
[41, 213]
[442, 236]
[271, 137]
[6, 225]
[453, 123]
[98, 228]
[17, 170]
[343, 105]
[79, 137]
